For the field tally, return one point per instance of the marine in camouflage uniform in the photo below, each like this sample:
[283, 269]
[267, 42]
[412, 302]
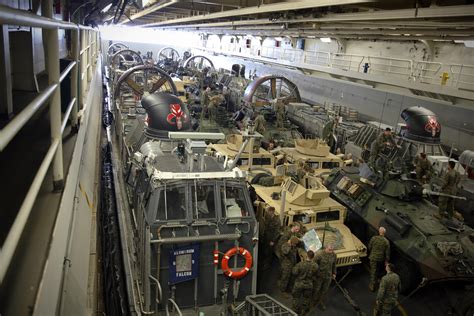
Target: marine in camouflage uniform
[326, 260]
[304, 272]
[387, 295]
[450, 183]
[204, 101]
[213, 103]
[260, 123]
[379, 248]
[294, 230]
[384, 139]
[280, 113]
[423, 168]
[287, 261]
[270, 236]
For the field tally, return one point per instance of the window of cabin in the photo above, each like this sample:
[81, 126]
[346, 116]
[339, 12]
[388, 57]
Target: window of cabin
[262, 161]
[327, 216]
[330, 164]
[233, 202]
[203, 202]
[172, 203]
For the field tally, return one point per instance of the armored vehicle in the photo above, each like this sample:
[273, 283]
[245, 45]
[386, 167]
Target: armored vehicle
[315, 153]
[310, 204]
[424, 244]
[248, 160]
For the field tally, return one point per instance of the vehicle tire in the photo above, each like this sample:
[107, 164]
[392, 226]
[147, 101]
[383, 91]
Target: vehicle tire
[409, 275]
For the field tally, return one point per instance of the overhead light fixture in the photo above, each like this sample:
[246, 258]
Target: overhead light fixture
[325, 39]
[106, 8]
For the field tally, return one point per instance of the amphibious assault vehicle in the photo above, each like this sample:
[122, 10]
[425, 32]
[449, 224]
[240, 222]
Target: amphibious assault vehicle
[425, 246]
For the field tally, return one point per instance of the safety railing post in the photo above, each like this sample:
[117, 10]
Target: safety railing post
[51, 46]
[82, 75]
[89, 56]
[74, 76]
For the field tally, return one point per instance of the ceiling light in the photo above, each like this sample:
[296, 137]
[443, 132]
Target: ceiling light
[325, 39]
[106, 8]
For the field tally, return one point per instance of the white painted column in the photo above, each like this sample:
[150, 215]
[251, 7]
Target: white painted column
[51, 47]
[75, 47]
[89, 56]
[6, 99]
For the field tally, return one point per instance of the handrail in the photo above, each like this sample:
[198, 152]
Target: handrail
[175, 306]
[19, 17]
[15, 125]
[66, 115]
[415, 70]
[13, 237]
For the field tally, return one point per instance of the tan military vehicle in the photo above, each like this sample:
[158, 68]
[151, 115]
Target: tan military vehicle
[310, 204]
[260, 158]
[315, 153]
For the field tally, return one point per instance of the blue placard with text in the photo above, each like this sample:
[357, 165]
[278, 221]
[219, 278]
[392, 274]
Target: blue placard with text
[184, 264]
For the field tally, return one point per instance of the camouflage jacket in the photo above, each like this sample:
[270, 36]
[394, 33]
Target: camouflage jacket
[382, 139]
[288, 255]
[204, 98]
[260, 123]
[305, 272]
[450, 182]
[423, 164]
[326, 263]
[379, 248]
[272, 228]
[389, 288]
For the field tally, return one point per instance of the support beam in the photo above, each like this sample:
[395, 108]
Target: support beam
[6, 100]
[51, 46]
[75, 43]
[155, 7]
[265, 8]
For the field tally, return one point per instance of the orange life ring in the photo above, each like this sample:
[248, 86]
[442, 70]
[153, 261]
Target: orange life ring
[242, 272]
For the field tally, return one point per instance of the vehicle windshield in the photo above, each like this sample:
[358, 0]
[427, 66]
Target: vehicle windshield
[327, 216]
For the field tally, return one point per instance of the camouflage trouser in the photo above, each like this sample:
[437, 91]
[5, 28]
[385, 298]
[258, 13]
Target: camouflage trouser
[212, 113]
[385, 308]
[285, 277]
[203, 112]
[301, 300]
[376, 269]
[446, 204]
[420, 173]
[280, 118]
[321, 286]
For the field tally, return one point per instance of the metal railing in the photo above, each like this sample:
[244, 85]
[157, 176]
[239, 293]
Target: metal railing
[85, 50]
[460, 76]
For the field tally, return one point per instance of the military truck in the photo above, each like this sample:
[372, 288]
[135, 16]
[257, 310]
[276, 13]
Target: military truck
[311, 205]
[258, 159]
[315, 153]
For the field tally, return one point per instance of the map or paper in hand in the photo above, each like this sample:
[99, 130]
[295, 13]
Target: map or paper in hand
[311, 241]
